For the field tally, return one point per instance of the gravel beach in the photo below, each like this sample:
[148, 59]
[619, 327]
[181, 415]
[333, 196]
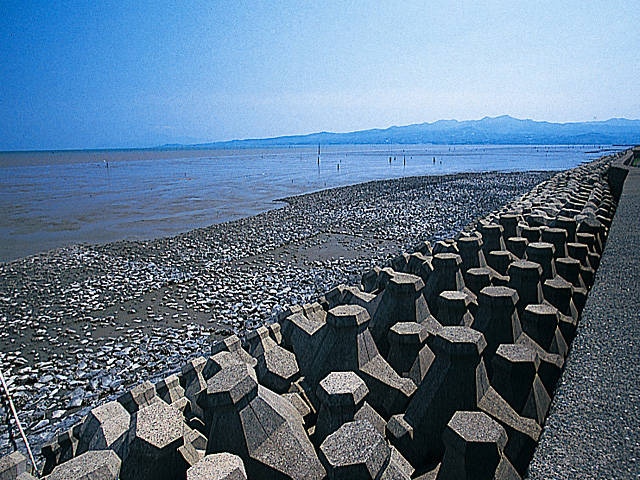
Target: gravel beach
[82, 324]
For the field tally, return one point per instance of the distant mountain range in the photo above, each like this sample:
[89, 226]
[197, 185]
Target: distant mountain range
[501, 130]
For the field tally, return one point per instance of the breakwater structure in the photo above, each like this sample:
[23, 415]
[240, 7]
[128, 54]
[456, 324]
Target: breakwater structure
[441, 365]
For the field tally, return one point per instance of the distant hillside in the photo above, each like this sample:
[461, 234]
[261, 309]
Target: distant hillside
[498, 130]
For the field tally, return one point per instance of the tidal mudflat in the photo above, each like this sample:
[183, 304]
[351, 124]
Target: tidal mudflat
[55, 199]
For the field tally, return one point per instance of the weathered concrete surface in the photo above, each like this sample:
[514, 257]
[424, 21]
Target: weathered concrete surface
[474, 448]
[12, 465]
[91, 465]
[219, 466]
[593, 430]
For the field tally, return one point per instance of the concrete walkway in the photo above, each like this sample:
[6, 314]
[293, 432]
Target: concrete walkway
[593, 430]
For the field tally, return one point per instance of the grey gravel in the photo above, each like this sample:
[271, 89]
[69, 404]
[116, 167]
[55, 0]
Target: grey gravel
[80, 325]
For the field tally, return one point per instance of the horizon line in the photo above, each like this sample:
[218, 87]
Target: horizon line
[211, 144]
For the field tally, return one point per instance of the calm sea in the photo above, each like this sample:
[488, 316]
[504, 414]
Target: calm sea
[52, 199]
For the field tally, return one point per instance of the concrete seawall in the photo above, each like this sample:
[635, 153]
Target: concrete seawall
[442, 365]
[593, 430]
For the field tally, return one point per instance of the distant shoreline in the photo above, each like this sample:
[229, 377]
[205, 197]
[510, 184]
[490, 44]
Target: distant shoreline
[52, 157]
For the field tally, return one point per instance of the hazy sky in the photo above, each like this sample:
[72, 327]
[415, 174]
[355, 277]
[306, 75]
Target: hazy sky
[86, 74]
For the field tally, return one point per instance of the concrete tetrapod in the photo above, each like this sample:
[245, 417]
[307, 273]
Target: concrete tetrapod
[541, 323]
[456, 380]
[491, 237]
[497, 318]
[542, 253]
[524, 278]
[569, 225]
[12, 465]
[474, 445]
[401, 301]
[570, 269]
[139, 396]
[192, 449]
[580, 252]
[169, 389]
[517, 246]
[155, 434]
[591, 242]
[453, 308]
[218, 466]
[347, 344]
[276, 367]
[471, 252]
[60, 449]
[419, 265]
[478, 278]
[499, 260]
[445, 246]
[558, 238]
[522, 433]
[509, 224]
[193, 383]
[559, 293]
[532, 234]
[341, 394]
[351, 296]
[264, 429]
[446, 275]
[551, 364]
[515, 378]
[105, 427]
[357, 451]
[91, 465]
[304, 337]
[409, 355]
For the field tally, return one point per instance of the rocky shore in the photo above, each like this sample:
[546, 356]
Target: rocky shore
[83, 324]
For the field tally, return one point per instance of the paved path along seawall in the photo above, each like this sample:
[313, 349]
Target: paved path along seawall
[593, 430]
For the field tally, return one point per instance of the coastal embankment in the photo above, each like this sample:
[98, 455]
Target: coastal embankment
[593, 430]
[438, 363]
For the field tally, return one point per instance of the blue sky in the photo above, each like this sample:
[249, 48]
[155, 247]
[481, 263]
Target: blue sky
[91, 74]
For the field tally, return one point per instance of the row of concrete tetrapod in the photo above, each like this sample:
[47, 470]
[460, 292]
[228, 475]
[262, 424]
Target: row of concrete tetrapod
[440, 366]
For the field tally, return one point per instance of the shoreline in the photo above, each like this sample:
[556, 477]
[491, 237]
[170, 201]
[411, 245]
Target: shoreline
[235, 215]
[84, 323]
[60, 204]
[8, 157]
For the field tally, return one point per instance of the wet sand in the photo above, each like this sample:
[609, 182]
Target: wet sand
[81, 324]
